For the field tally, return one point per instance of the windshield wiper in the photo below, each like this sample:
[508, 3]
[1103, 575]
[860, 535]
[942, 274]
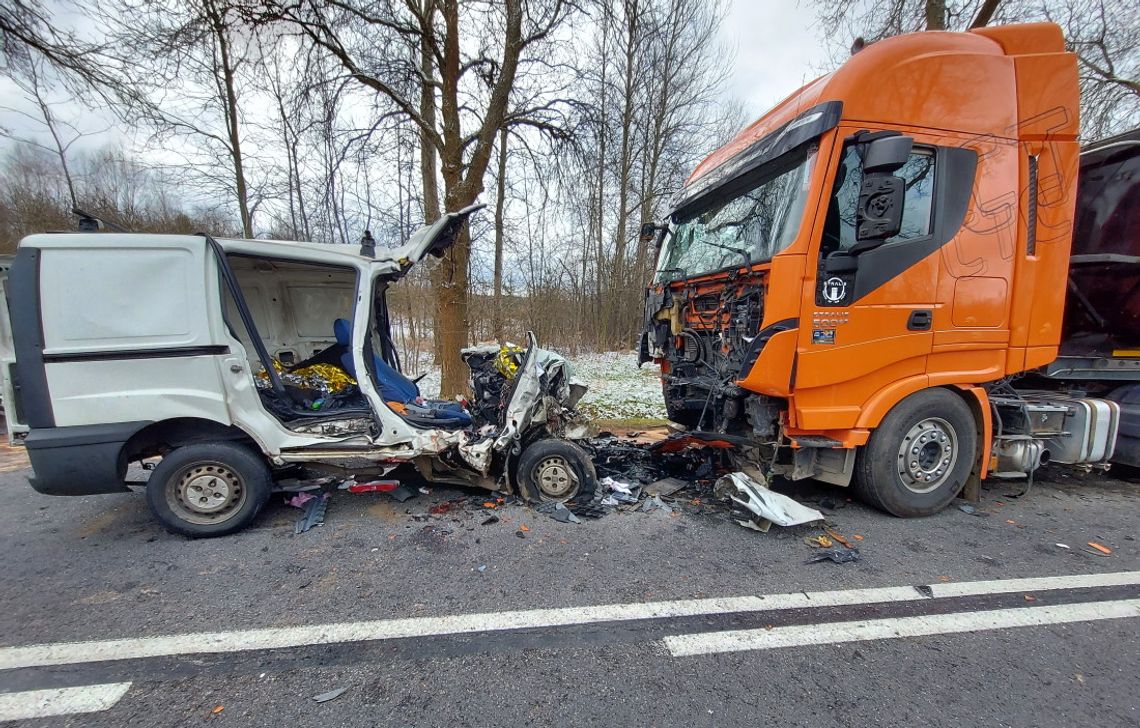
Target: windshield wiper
[739, 251]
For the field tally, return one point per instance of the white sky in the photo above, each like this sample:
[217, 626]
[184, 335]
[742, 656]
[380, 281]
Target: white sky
[777, 51]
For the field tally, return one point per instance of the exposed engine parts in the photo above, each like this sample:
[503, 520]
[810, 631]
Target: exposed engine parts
[706, 337]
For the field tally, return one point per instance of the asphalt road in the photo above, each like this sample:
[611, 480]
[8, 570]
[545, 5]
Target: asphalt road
[684, 642]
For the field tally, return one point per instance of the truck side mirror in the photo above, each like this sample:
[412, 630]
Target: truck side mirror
[881, 195]
[648, 232]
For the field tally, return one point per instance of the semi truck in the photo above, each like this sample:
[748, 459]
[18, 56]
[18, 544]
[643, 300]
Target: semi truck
[907, 277]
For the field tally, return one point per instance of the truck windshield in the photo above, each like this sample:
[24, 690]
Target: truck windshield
[760, 220]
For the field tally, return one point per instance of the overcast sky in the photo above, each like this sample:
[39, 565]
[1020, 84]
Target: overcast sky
[777, 51]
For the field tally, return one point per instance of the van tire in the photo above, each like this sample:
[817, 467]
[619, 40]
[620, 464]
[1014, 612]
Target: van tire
[231, 482]
[936, 432]
[556, 470]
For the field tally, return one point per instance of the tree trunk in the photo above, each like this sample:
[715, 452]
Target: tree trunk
[936, 14]
[233, 132]
[985, 13]
[500, 199]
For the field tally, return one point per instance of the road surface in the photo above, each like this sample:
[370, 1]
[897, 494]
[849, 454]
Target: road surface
[633, 619]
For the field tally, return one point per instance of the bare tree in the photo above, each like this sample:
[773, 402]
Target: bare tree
[64, 134]
[187, 62]
[450, 69]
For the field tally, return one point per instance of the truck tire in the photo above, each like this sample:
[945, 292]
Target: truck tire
[209, 489]
[677, 411]
[920, 456]
[556, 470]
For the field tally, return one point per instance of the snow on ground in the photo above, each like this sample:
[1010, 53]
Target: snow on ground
[618, 390]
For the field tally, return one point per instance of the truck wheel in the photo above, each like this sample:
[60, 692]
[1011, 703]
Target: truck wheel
[207, 490]
[676, 410]
[556, 470]
[919, 457]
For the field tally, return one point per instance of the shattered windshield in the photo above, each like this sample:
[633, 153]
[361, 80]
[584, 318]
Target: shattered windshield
[758, 222]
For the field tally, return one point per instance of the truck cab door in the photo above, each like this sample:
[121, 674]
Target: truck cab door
[871, 307]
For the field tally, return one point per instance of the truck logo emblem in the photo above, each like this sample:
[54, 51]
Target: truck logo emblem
[834, 290]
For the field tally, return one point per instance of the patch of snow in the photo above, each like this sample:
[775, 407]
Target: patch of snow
[618, 389]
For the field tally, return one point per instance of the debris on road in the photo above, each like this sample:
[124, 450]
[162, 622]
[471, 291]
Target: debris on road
[838, 555]
[763, 506]
[315, 509]
[558, 512]
[665, 486]
[654, 503]
[1102, 549]
[330, 695]
[819, 542]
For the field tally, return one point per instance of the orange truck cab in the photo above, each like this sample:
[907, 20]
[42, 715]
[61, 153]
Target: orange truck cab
[851, 289]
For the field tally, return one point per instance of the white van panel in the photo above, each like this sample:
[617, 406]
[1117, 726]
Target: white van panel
[125, 390]
[123, 299]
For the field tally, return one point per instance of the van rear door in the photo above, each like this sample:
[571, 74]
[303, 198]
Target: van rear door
[13, 416]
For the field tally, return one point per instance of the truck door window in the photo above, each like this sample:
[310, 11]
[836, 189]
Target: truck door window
[839, 226]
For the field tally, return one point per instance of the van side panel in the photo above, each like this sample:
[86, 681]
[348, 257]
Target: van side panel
[127, 332]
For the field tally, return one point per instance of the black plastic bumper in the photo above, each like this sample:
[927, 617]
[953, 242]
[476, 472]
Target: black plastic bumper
[81, 460]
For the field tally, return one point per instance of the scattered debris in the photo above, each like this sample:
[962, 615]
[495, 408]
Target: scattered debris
[654, 503]
[520, 534]
[1029, 597]
[665, 487]
[838, 555]
[299, 500]
[330, 695]
[858, 537]
[425, 491]
[315, 509]
[489, 521]
[819, 542]
[217, 709]
[766, 506]
[481, 568]
[297, 485]
[839, 538]
[967, 509]
[402, 494]
[1062, 545]
[1102, 549]
[375, 486]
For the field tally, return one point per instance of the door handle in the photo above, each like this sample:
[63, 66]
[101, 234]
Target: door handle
[920, 320]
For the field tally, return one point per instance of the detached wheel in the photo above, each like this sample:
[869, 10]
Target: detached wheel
[556, 470]
[920, 456]
[208, 490]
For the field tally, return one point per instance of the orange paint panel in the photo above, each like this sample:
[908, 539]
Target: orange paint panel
[1039, 356]
[979, 301]
[824, 366]
[771, 374]
[846, 402]
[966, 367]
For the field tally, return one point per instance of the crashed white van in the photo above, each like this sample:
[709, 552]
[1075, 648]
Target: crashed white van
[234, 359]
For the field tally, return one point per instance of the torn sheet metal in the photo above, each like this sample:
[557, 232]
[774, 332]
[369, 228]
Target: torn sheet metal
[766, 506]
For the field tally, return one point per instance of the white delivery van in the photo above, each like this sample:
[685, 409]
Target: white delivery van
[233, 359]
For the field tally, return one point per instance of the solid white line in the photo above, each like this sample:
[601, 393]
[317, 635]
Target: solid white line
[276, 638]
[60, 701]
[892, 628]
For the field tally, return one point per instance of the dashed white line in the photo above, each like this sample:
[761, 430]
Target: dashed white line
[346, 632]
[60, 701]
[893, 628]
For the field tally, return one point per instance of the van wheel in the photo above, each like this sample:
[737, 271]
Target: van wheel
[556, 470]
[920, 456]
[208, 490]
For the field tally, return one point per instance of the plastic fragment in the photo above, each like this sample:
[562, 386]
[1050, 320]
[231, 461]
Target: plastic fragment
[330, 695]
[1103, 549]
[217, 709]
[837, 555]
[819, 542]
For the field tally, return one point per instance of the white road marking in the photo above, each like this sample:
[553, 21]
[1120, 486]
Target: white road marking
[893, 628]
[60, 701]
[384, 629]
